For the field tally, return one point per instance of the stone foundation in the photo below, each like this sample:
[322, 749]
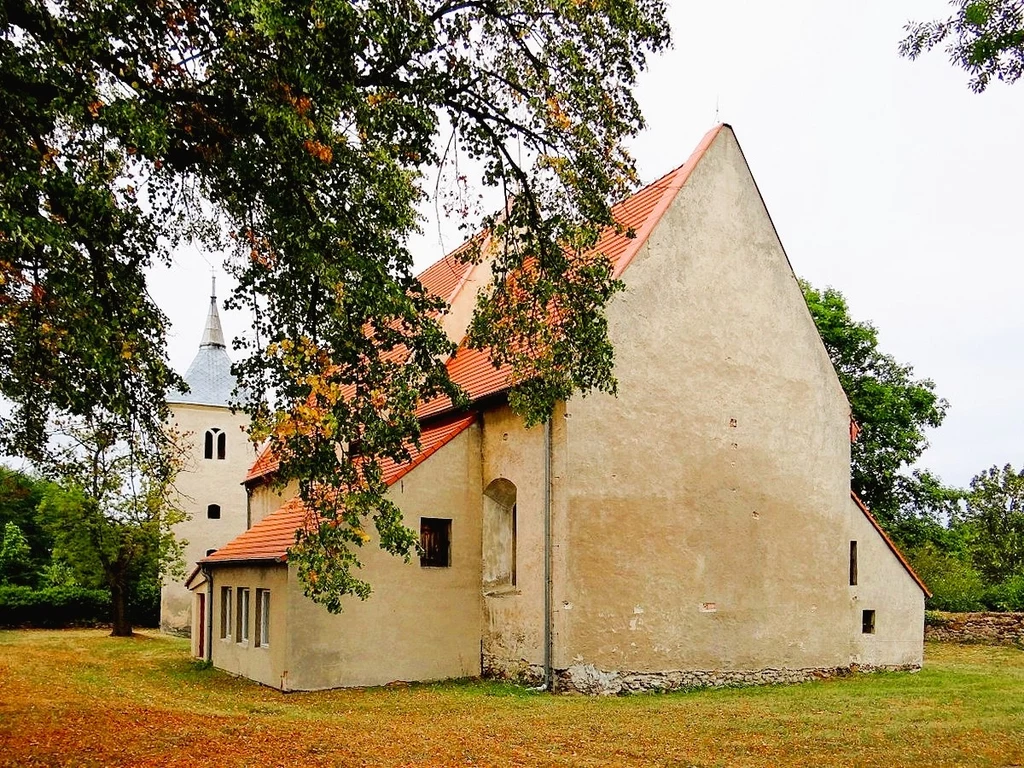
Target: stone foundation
[588, 679]
[983, 628]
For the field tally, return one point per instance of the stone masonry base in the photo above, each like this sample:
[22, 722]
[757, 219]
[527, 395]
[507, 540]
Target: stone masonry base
[588, 679]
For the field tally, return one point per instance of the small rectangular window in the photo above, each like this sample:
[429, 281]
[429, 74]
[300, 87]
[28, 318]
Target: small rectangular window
[262, 618]
[242, 628]
[225, 613]
[868, 623]
[435, 541]
[213, 511]
[853, 563]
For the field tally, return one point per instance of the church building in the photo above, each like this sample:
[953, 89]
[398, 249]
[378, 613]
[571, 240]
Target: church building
[696, 529]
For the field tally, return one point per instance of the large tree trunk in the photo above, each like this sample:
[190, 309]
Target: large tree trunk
[119, 600]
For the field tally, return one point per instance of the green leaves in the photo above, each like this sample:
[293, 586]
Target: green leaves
[994, 517]
[894, 411]
[985, 38]
[301, 137]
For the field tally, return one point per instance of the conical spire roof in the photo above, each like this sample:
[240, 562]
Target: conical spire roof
[209, 377]
[213, 336]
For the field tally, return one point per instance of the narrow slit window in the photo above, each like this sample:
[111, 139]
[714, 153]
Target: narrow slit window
[435, 541]
[225, 613]
[208, 448]
[868, 623]
[222, 446]
[262, 618]
[213, 511]
[242, 628]
[853, 563]
[515, 542]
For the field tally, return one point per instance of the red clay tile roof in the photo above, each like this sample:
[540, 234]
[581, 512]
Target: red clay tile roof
[889, 542]
[270, 538]
[266, 463]
[444, 278]
[640, 213]
[472, 369]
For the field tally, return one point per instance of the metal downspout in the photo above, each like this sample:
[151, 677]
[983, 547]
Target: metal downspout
[548, 634]
[208, 651]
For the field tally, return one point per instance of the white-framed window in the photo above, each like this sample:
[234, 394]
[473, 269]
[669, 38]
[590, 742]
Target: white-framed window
[242, 628]
[225, 613]
[263, 618]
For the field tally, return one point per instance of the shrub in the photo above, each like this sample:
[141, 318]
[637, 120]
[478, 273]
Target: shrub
[73, 606]
[1007, 596]
[955, 585]
[53, 607]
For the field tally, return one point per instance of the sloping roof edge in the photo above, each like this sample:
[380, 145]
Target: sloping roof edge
[892, 546]
[271, 538]
[198, 570]
[675, 180]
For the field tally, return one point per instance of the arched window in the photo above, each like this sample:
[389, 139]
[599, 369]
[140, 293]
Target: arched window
[213, 511]
[214, 435]
[499, 544]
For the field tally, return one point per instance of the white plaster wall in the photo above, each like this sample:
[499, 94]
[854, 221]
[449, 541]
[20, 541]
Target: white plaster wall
[203, 482]
[883, 585]
[266, 497]
[419, 623]
[707, 505]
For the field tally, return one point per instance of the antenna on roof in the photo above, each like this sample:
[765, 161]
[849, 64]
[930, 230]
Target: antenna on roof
[213, 283]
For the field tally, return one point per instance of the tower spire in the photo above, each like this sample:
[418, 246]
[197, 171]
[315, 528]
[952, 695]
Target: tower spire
[213, 336]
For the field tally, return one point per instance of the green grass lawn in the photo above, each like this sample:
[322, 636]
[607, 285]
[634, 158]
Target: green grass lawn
[78, 697]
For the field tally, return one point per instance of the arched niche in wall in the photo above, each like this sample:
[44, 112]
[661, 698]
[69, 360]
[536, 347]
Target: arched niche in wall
[499, 534]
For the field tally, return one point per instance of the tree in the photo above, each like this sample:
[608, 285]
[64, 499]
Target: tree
[20, 494]
[994, 516]
[111, 510]
[301, 136]
[893, 410]
[986, 38]
[15, 556]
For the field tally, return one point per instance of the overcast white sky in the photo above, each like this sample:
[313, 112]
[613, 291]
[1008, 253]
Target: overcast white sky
[886, 179]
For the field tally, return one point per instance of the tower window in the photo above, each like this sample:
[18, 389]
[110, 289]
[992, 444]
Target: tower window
[215, 440]
[213, 511]
[853, 563]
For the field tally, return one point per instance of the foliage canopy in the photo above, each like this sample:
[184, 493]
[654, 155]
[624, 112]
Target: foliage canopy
[893, 410]
[985, 38]
[994, 517]
[300, 137]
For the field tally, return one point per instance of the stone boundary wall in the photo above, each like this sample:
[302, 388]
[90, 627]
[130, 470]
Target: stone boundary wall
[588, 679]
[983, 628]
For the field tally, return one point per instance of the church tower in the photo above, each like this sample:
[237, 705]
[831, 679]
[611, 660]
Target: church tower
[219, 454]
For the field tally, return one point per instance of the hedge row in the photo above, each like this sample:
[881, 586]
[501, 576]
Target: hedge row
[55, 607]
